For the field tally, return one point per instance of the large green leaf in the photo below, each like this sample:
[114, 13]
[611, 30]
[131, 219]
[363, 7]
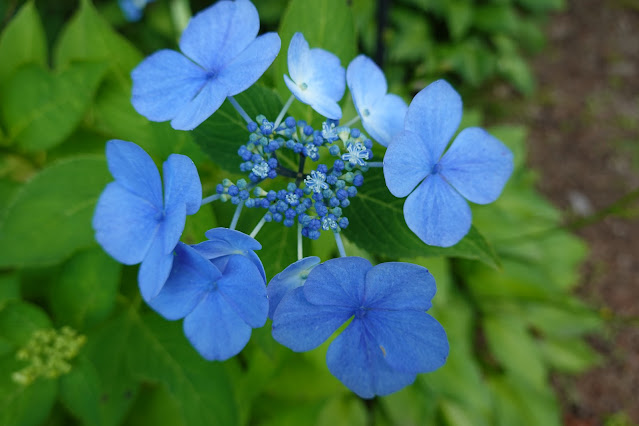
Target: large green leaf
[19, 320]
[41, 109]
[80, 392]
[376, 223]
[50, 217]
[22, 42]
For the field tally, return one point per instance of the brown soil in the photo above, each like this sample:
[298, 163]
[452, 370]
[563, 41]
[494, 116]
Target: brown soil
[584, 141]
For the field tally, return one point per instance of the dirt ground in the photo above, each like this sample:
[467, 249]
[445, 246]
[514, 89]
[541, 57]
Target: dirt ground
[584, 141]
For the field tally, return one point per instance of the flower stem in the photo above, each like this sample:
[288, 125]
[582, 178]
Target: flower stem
[279, 118]
[300, 171]
[258, 227]
[340, 244]
[239, 109]
[300, 249]
[353, 121]
[375, 164]
[209, 199]
[236, 216]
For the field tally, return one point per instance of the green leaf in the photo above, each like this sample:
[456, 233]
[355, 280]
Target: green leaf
[459, 17]
[18, 322]
[155, 406]
[9, 288]
[518, 404]
[50, 217]
[221, 135]
[85, 291]
[571, 356]
[80, 392]
[158, 351]
[40, 110]
[22, 42]
[376, 223]
[343, 411]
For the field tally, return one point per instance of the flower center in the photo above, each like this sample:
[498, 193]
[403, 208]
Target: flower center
[437, 168]
[366, 112]
[361, 312]
[303, 86]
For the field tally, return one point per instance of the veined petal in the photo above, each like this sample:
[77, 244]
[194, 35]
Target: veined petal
[302, 326]
[125, 224]
[215, 330]
[436, 213]
[338, 282]
[290, 278]
[249, 65]
[358, 362]
[384, 119]
[366, 82]
[406, 163]
[477, 165]
[164, 83]
[413, 341]
[134, 170]
[399, 286]
[219, 33]
[155, 269]
[435, 114]
[244, 289]
[188, 282]
[201, 107]
[182, 183]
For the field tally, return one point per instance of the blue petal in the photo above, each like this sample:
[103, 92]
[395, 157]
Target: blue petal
[413, 341]
[399, 286]
[223, 242]
[328, 76]
[201, 107]
[338, 282]
[219, 33]
[297, 57]
[385, 119]
[215, 330]
[182, 183]
[366, 82]
[358, 362]
[477, 165]
[436, 213]
[435, 114]
[246, 68]
[188, 282]
[302, 326]
[320, 103]
[134, 170]
[406, 163]
[290, 278]
[124, 224]
[244, 289]
[164, 83]
[155, 269]
[172, 227]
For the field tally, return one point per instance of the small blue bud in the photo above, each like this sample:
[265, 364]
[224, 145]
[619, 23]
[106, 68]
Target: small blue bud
[355, 133]
[289, 222]
[358, 180]
[352, 191]
[277, 217]
[233, 190]
[268, 217]
[290, 122]
[322, 168]
[308, 130]
[331, 179]
[219, 188]
[343, 222]
[252, 126]
[244, 194]
[334, 151]
[333, 202]
[338, 165]
[345, 203]
[235, 200]
[290, 214]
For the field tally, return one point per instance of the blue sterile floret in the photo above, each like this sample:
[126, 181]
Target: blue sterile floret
[475, 167]
[132, 222]
[290, 278]
[390, 339]
[220, 57]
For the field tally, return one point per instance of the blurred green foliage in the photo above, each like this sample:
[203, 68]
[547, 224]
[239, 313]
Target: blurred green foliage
[504, 293]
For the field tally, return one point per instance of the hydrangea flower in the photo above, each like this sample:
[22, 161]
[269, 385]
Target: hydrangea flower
[131, 221]
[221, 57]
[475, 167]
[133, 9]
[382, 113]
[290, 278]
[317, 77]
[390, 339]
[221, 299]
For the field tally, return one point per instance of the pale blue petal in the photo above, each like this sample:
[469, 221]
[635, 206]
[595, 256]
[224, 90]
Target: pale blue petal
[155, 269]
[302, 326]
[223, 242]
[413, 341]
[338, 282]
[249, 65]
[182, 183]
[219, 33]
[134, 170]
[366, 82]
[189, 280]
[290, 278]
[244, 289]
[201, 107]
[297, 57]
[327, 75]
[358, 362]
[406, 163]
[435, 114]
[124, 224]
[215, 330]
[477, 165]
[327, 107]
[385, 118]
[399, 286]
[437, 214]
[164, 83]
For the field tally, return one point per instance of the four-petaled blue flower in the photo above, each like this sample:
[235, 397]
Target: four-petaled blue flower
[221, 57]
[382, 113]
[390, 339]
[317, 77]
[475, 167]
[290, 278]
[131, 221]
[218, 287]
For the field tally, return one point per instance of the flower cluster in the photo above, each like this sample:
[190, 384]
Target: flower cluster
[218, 287]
